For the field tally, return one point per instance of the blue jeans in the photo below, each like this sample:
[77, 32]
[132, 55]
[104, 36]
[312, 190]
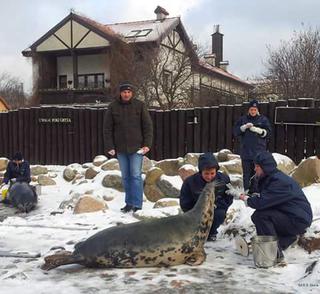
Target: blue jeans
[130, 166]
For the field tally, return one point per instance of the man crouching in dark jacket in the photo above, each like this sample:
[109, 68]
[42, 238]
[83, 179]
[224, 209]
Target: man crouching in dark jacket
[282, 208]
[193, 186]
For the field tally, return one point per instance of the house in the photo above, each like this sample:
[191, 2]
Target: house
[74, 61]
[4, 107]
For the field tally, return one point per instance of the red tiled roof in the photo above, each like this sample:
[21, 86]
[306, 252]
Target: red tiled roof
[220, 71]
[105, 29]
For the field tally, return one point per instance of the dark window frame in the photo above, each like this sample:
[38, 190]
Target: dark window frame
[95, 83]
[139, 33]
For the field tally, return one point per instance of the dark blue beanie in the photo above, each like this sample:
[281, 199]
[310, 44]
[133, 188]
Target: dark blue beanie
[254, 103]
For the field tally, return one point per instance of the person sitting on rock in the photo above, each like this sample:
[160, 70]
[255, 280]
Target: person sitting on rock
[282, 209]
[18, 170]
[193, 186]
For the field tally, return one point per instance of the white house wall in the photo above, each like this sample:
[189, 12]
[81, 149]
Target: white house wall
[50, 44]
[64, 33]
[64, 67]
[93, 40]
[98, 63]
[78, 32]
[87, 64]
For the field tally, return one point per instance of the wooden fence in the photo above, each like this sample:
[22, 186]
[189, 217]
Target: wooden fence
[62, 135]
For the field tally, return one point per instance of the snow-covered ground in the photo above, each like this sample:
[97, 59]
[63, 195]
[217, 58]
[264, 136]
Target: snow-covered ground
[224, 271]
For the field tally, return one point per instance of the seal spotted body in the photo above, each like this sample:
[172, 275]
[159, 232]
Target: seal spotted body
[159, 242]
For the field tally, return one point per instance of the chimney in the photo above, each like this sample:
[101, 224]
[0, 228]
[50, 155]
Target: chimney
[161, 13]
[217, 45]
[224, 65]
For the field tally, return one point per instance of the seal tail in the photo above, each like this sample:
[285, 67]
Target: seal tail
[58, 259]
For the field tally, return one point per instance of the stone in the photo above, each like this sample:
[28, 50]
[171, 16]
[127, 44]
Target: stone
[153, 175]
[77, 178]
[222, 155]
[45, 181]
[38, 170]
[170, 167]
[113, 181]
[153, 192]
[111, 164]
[99, 160]
[146, 164]
[3, 163]
[107, 198]
[186, 171]
[307, 172]
[284, 163]
[70, 203]
[167, 188]
[233, 156]
[90, 173]
[232, 166]
[69, 174]
[88, 203]
[192, 158]
[166, 202]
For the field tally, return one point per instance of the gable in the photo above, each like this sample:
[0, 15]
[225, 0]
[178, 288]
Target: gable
[71, 35]
[174, 41]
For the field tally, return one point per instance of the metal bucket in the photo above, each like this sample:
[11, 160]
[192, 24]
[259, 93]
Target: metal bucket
[264, 250]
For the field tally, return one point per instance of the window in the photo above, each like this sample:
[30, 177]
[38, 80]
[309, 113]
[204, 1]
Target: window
[91, 80]
[81, 81]
[133, 33]
[63, 82]
[144, 32]
[139, 33]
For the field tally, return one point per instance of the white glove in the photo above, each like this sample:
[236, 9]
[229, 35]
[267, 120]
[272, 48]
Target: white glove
[259, 131]
[246, 126]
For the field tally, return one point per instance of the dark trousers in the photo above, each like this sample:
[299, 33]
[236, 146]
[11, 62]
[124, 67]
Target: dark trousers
[272, 222]
[248, 172]
[218, 219]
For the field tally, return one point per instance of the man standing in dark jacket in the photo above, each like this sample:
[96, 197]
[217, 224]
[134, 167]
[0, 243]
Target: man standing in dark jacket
[253, 130]
[127, 132]
[193, 186]
[18, 169]
[282, 208]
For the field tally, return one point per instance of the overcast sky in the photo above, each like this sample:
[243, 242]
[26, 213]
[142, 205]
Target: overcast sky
[248, 25]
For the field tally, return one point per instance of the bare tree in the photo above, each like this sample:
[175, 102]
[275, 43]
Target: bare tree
[162, 76]
[12, 90]
[293, 70]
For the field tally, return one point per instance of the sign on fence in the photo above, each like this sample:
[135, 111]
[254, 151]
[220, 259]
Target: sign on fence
[297, 116]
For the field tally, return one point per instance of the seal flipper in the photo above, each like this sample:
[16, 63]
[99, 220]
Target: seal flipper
[197, 258]
[58, 259]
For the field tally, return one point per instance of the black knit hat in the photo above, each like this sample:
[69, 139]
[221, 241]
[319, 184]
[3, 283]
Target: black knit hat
[125, 86]
[17, 156]
[254, 103]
